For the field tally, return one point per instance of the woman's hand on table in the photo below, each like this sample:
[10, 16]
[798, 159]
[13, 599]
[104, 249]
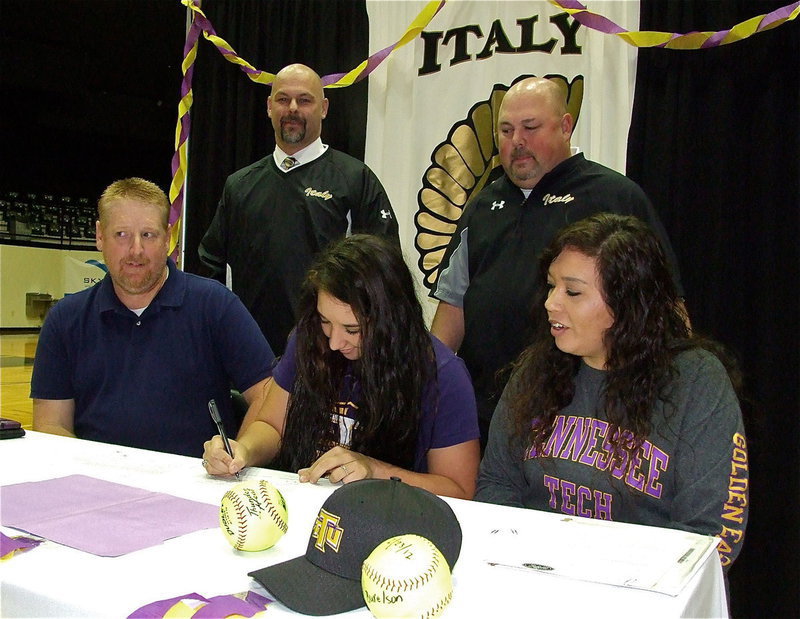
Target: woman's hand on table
[341, 465]
[217, 461]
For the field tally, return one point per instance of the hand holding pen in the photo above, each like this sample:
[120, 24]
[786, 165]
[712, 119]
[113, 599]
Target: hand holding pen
[212, 408]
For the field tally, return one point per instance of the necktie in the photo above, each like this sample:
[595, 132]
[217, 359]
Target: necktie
[288, 163]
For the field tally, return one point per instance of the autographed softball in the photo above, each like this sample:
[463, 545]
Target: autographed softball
[406, 576]
[253, 515]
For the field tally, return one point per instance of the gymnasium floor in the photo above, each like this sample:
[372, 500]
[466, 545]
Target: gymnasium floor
[16, 364]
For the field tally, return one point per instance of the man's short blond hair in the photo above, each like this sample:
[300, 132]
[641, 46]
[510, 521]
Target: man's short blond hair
[137, 189]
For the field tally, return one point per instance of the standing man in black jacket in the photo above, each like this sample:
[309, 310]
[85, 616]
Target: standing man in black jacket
[276, 214]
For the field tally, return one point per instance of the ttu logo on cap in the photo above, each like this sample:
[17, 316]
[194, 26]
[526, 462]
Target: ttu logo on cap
[327, 532]
[352, 522]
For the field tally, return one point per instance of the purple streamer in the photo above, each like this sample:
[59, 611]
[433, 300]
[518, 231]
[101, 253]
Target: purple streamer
[598, 22]
[226, 605]
[605, 25]
[10, 545]
[159, 608]
[176, 208]
[217, 606]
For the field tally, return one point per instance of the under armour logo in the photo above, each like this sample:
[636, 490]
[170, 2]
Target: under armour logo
[498, 204]
[386, 214]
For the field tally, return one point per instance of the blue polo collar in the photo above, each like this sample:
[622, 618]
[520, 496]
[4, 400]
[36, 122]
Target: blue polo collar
[171, 294]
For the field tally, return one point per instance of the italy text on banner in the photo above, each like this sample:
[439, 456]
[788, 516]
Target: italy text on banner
[433, 104]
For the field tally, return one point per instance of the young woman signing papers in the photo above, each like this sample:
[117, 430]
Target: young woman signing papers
[363, 390]
[616, 411]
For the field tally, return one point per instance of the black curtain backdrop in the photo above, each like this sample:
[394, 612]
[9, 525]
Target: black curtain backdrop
[88, 93]
[230, 128]
[715, 143]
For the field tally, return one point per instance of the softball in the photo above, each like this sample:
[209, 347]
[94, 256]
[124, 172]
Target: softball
[406, 576]
[253, 515]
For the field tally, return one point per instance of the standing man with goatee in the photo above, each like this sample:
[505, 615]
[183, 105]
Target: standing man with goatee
[278, 213]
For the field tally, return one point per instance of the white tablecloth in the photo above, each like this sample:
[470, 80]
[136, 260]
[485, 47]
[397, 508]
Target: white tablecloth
[54, 580]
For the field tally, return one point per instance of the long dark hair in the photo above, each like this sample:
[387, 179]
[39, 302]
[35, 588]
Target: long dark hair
[397, 359]
[649, 329]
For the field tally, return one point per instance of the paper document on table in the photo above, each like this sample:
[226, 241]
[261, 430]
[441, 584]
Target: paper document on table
[279, 479]
[635, 556]
[101, 517]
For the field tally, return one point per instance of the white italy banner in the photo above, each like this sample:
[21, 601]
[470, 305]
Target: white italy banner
[433, 103]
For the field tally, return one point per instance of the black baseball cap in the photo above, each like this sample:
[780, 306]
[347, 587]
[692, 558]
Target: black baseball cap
[350, 524]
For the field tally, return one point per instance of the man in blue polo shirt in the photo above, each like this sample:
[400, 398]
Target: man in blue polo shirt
[135, 359]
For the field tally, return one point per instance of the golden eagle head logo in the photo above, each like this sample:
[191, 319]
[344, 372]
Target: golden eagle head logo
[461, 166]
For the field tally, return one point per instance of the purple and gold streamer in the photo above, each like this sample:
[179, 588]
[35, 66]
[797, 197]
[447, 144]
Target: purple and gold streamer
[674, 40]
[334, 80]
[249, 604]
[9, 546]
[178, 167]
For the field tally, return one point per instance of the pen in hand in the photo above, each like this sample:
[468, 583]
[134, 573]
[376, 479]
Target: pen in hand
[212, 408]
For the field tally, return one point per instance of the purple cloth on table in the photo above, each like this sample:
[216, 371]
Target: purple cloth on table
[101, 517]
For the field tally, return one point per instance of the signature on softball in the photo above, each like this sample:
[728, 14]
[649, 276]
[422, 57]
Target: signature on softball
[381, 597]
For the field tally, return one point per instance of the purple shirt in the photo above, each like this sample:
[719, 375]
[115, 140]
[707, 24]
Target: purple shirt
[449, 415]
